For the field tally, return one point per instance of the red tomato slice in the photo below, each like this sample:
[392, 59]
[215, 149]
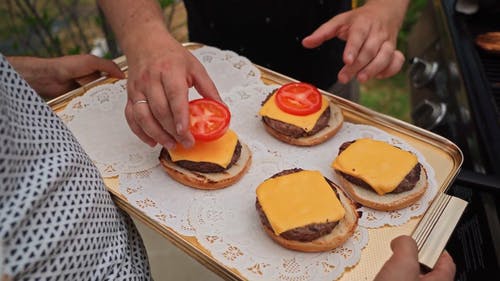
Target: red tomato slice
[298, 98]
[208, 119]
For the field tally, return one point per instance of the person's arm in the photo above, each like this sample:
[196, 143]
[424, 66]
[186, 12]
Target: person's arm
[370, 32]
[403, 264]
[161, 71]
[51, 77]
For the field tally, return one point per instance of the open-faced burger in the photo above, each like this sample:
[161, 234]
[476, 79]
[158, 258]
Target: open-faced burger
[297, 113]
[304, 211]
[217, 159]
[379, 175]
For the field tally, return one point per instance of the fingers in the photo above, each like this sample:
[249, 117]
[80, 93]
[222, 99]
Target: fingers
[326, 31]
[165, 116]
[134, 126]
[386, 62]
[444, 270]
[177, 123]
[368, 51]
[394, 67]
[104, 65]
[381, 61]
[357, 35]
[81, 65]
[370, 36]
[140, 116]
[403, 264]
[404, 246]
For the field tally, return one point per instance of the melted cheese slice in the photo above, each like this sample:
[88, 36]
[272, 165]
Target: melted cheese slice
[306, 122]
[377, 163]
[219, 151]
[298, 199]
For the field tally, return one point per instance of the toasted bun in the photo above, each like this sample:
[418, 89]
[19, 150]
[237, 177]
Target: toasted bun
[334, 124]
[342, 231]
[489, 41]
[389, 201]
[210, 180]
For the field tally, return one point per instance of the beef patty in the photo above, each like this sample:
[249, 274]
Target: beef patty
[292, 130]
[204, 167]
[406, 184]
[306, 233]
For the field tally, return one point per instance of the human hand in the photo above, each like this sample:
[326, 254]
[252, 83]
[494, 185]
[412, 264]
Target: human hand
[160, 76]
[403, 264]
[370, 32]
[52, 77]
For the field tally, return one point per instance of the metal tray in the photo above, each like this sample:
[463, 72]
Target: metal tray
[431, 231]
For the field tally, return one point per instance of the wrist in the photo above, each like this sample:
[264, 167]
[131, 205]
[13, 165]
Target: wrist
[392, 12]
[152, 41]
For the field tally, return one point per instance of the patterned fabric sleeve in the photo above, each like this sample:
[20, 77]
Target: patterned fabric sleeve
[57, 221]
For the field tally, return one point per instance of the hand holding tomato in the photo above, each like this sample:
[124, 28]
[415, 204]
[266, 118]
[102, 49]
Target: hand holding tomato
[161, 71]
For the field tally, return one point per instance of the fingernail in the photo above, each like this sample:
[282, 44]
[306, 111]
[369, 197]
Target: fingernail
[178, 128]
[343, 78]
[362, 77]
[349, 58]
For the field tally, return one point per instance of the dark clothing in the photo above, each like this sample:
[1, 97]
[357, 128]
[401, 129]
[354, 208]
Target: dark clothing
[270, 32]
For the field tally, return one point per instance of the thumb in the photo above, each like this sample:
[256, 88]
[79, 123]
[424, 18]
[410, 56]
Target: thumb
[403, 264]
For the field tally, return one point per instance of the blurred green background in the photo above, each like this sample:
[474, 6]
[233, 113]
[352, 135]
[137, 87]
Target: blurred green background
[60, 27]
[392, 96]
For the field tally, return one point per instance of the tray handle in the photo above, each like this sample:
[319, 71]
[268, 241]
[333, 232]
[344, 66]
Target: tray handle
[434, 230]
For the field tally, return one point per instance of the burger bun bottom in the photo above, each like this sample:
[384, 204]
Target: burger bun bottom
[389, 201]
[210, 181]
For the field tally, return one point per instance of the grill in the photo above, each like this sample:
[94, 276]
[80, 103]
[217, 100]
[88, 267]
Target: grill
[491, 64]
[455, 92]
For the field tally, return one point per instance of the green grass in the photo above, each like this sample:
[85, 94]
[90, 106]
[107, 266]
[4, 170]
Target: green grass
[389, 96]
[392, 96]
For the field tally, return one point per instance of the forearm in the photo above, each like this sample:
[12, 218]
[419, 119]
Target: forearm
[137, 24]
[36, 71]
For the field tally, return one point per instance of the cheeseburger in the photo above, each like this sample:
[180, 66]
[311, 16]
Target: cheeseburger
[379, 175]
[303, 211]
[217, 159]
[298, 114]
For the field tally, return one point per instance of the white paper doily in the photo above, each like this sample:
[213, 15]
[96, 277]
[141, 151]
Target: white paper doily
[98, 121]
[227, 224]
[226, 68]
[245, 103]
[225, 221]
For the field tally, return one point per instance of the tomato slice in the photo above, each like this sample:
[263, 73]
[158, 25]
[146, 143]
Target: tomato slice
[298, 98]
[208, 119]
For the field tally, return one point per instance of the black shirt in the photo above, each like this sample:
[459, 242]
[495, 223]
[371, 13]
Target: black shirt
[270, 32]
